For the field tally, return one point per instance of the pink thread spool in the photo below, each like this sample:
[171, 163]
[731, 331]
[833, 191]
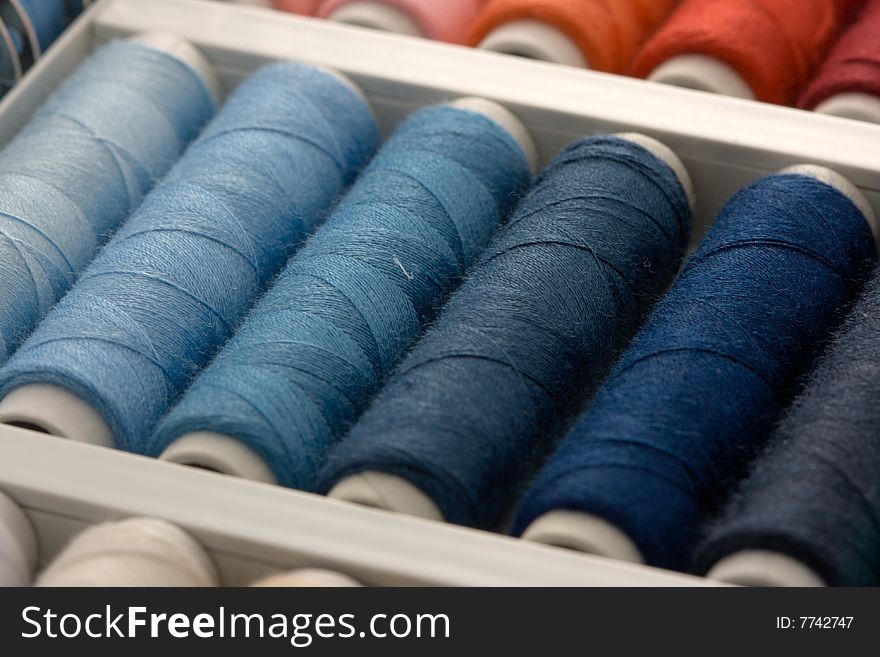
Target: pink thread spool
[304, 7]
[442, 21]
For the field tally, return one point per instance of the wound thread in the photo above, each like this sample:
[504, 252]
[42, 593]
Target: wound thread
[524, 342]
[607, 32]
[322, 340]
[853, 66]
[79, 167]
[174, 283]
[786, 40]
[813, 495]
[695, 396]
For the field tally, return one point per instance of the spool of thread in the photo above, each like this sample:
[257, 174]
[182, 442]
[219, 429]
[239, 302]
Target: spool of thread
[848, 83]
[18, 545]
[79, 167]
[696, 394]
[304, 7]
[807, 514]
[702, 46]
[520, 347]
[137, 552]
[309, 578]
[48, 19]
[175, 281]
[321, 341]
[604, 35]
[442, 21]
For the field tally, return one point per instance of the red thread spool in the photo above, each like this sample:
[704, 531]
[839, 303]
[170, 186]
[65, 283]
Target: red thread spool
[773, 45]
[848, 83]
[442, 21]
[607, 33]
[305, 7]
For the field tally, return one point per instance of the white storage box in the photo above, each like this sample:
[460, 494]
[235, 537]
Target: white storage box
[255, 529]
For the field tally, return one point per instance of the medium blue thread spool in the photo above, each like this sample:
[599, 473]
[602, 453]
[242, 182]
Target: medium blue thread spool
[174, 283]
[808, 513]
[696, 394]
[48, 19]
[323, 338]
[85, 161]
[522, 344]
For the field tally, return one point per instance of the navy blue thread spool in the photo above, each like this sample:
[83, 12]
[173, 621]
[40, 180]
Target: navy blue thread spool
[78, 168]
[321, 340]
[641, 470]
[809, 512]
[173, 284]
[522, 344]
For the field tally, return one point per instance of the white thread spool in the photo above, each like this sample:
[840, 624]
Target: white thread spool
[53, 409]
[18, 545]
[534, 40]
[703, 73]
[227, 454]
[588, 533]
[393, 493]
[137, 552]
[310, 578]
[377, 16]
[858, 106]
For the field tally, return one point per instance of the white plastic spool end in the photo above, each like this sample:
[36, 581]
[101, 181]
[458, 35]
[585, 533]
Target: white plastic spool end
[858, 106]
[308, 578]
[703, 73]
[377, 16]
[663, 152]
[506, 120]
[219, 453]
[534, 40]
[18, 545]
[186, 53]
[764, 568]
[845, 187]
[583, 532]
[54, 410]
[388, 492]
[103, 555]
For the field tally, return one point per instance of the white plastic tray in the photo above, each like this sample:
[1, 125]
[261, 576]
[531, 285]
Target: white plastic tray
[253, 529]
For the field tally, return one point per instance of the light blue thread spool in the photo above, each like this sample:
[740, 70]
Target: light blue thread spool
[175, 281]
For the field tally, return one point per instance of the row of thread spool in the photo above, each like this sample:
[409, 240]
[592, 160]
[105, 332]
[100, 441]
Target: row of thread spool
[27, 29]
[133, 552]
[821, 55]
[545, 312]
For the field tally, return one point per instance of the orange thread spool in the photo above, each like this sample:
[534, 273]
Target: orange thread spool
[607, 32]
[773, 45]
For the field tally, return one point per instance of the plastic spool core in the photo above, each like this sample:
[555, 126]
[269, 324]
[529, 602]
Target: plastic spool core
[53, 409]
[18, 545]
[858, 106]
[763, 568]
[534, 40]
[219, 453]
[308, 578]
[228, 455]
[56, 411]
[393, 493]
[583, 532]
[704, 74]
[377, 17]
